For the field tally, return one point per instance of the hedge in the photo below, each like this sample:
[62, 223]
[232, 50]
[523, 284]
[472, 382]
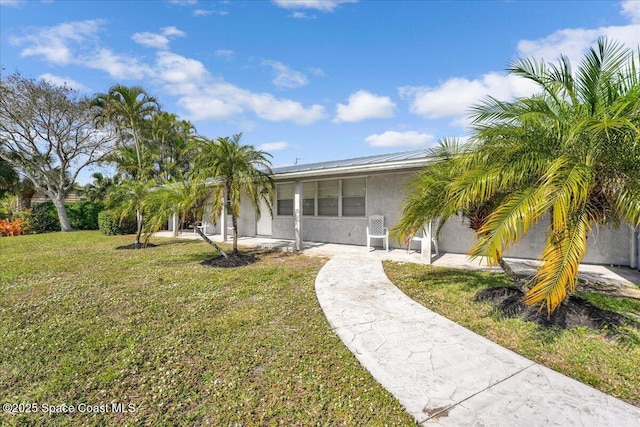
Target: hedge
[111, 225]
[43, 217]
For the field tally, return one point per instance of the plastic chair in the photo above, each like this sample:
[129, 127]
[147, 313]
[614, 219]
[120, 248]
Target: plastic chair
[377, 230]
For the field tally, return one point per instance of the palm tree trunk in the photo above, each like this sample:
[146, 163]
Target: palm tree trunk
[206, 239]
[140, 221]
[517, 280]
[234, 221]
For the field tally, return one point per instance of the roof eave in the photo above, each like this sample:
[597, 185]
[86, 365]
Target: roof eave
[343, 170]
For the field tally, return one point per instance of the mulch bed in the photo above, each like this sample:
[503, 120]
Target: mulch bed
[573, 312]
[133, 246]
[235, 259]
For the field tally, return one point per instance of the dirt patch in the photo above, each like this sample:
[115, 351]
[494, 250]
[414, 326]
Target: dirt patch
[234, 259]
[573, 312]
[140, 246]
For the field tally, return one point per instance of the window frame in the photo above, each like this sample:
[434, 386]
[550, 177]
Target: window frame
[293, 208]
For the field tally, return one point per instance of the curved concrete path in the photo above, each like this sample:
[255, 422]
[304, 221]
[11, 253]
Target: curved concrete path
[443, 373]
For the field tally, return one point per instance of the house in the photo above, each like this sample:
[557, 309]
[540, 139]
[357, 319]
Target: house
[331, 201]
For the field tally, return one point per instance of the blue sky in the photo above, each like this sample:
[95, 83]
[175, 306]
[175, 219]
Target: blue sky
[311, 79]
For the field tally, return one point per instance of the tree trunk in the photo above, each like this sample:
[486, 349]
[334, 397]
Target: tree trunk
[62, 214]
[518, 281]
[234, 222]
[206, 239]
[140, 221]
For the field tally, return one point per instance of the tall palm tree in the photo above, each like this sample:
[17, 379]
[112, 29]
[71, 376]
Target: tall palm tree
[570, 153]
[129, 109]
[235, 169]
[170, 140]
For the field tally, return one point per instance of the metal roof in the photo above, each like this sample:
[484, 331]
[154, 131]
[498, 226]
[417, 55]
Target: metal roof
[405, 159]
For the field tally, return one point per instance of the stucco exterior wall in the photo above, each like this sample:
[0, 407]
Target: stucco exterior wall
[605, 245]
[385, 195]
[247, 218]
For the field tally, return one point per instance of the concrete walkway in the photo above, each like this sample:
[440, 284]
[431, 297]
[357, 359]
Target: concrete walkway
[443, 373]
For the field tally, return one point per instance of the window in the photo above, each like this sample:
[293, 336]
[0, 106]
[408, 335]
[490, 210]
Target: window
[328, 192]
[309, 198]
[284, 193]
[328, 198]
[354, 192]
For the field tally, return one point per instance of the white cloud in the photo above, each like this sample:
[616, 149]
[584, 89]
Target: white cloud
[172, 32]
[118, 66]
[157, 41]
[399, 139]
[224, 53]
[188, 79]
[364, 105]
[631, 8]
[454, 97]
[178, 70]
[63, 81]
[183, 2]
[574, 42]
[302, 15]
[54, 44]
[12, 3]
[202, 12]
[321, 5]
[273, 146]
[285, 77]
[220, 100]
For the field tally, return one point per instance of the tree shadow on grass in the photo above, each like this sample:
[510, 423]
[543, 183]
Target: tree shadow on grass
[235, 259]
[134, 246]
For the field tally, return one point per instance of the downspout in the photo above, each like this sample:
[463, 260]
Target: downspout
[297, 216]
[635, 242]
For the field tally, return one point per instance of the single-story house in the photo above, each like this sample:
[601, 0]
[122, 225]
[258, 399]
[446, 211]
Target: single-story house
[331, 202]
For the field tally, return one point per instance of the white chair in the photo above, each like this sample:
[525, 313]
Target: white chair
[377, 230]
[424, 239]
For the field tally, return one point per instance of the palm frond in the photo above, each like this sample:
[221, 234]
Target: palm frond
[561, 257]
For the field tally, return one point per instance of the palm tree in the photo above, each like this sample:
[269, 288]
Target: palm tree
[185, 198]
[170, 140]
[97, 190]
[129, 109]
[235, 169]
[570, 153]
[129, 197]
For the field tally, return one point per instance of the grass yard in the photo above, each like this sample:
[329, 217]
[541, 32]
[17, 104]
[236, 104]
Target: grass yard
[82, 323]
[606, 363]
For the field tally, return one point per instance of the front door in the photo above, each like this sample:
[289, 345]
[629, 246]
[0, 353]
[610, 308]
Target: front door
[263, 225]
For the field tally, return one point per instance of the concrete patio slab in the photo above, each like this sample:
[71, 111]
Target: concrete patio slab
[443, 373]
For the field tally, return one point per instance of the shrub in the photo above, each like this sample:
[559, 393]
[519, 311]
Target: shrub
[12, 228]
[83, 215]
[43, 218]
[111, 225]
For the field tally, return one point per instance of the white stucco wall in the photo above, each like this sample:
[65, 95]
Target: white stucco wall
[385, 196]
[605, 245]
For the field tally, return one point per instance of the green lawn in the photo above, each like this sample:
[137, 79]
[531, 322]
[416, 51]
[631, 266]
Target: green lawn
[592, 357]
[84, 323]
